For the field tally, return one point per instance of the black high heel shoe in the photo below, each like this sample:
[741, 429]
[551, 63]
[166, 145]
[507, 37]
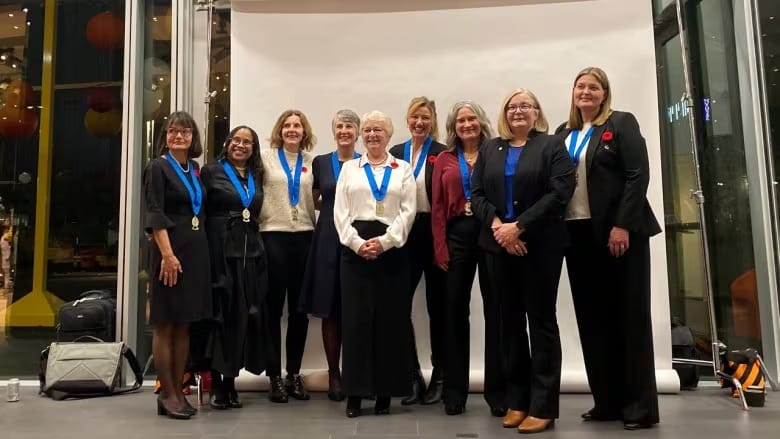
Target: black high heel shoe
[162, 411]
[353, 407]
[218, 400]
[188, 408]
[382, 406]
[435, 388]
[334, 386]
[233, 401]
[417, 389]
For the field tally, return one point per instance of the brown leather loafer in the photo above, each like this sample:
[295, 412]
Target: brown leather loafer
[513, 418]
[535, 425]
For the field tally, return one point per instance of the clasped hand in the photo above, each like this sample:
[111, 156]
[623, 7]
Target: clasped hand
[507, 235]
[371, 249]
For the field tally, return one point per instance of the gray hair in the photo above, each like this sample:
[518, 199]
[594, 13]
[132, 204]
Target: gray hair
[453, 141]
[378, 116]
[347, 116]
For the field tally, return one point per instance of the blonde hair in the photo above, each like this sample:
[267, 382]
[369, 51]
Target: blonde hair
[308, 141]
[575, 116]
[540, 126]
[422, 101]
[378, 116]
[453, 141]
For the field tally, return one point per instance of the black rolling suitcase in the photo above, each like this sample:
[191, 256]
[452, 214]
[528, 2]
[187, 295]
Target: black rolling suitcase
[93, 313]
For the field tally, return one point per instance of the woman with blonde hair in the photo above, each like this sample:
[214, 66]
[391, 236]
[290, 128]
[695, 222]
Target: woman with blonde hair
[286, 224]
[521, 184]
[420, 151]
[610, 222]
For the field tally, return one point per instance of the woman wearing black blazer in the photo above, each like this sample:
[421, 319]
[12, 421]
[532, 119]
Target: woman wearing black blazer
[420, 151]
[521, 184]
[610, 223]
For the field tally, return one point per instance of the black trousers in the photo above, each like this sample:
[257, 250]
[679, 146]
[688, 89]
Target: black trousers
[612, 304]
[376, 337]
[419, 247]
[528, 287]
[465, 259]
[286, 253]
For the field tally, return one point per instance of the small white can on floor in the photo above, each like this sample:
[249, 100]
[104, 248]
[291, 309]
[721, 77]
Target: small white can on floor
[13, 390]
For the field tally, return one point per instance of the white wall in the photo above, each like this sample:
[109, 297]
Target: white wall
[320, 57]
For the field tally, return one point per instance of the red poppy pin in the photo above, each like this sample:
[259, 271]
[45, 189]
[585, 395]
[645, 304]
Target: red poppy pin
[394, 165]
[303, 169]
[607, 136]
[431, 159]
[196, 172]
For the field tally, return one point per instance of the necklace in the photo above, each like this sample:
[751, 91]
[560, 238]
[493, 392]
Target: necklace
[240, 169]
[182, 167]
[376, 163]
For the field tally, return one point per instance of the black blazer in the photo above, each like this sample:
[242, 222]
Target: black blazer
[542, 187]
[618, 173]
[398, 152]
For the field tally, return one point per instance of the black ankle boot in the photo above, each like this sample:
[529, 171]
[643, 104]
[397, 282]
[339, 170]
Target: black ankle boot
[277, 393]
[353, 407]
[435, 388]
[294, 385]
[417, 391]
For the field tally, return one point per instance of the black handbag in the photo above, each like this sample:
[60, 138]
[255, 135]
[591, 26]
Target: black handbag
[93, 313]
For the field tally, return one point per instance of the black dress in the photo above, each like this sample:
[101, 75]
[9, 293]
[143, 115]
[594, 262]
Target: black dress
[167, 205]
[239, 273]
[321, 291]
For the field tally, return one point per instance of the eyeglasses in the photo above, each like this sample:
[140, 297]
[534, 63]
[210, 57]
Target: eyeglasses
[524, 108]
[369, 130]
[185, 132]
[240, 141]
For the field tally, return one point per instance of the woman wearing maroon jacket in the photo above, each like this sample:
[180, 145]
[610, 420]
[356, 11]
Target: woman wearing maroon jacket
[455, 232]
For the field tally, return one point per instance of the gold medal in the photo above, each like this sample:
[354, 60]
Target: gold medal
[195, 223]
[245, 215]
[294, 213]
[380, 208]
[468, 210]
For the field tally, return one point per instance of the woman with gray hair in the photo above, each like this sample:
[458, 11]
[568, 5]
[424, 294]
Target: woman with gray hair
[455, 233]
[373, 212]
[321, 291]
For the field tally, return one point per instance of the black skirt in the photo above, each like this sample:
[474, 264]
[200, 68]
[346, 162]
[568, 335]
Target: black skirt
[377, 339]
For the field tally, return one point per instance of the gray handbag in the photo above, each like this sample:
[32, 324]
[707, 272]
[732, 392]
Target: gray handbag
[80, 369]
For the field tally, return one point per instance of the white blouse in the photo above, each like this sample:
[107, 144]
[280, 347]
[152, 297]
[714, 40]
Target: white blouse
[579, 206]
[355, 202]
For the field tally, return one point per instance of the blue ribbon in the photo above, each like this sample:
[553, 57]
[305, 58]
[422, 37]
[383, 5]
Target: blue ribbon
[575, 151]
[334, 161]
[196, 196]
[379, 192]
[423, 154]
[465, 176]
[246, 194]
[293, 183]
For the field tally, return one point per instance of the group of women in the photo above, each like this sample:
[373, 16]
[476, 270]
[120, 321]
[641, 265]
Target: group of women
[231, 245]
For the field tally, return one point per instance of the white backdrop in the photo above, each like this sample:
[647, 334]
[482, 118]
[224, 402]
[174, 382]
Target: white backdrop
[321, 56]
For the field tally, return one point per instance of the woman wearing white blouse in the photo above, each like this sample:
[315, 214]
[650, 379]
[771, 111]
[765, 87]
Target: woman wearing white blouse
[286, 225]
[374, 211]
